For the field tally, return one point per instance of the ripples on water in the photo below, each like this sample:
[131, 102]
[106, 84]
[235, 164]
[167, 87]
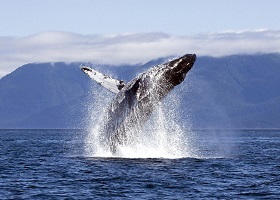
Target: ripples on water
[50, 164]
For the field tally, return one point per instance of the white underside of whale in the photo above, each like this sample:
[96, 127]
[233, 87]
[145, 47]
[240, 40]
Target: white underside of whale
[108, 82]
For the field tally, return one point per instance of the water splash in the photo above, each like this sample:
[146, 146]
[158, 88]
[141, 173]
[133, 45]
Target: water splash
[97, 108]
[162, 136]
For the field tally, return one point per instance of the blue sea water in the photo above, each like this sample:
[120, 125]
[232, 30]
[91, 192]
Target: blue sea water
[51, 164]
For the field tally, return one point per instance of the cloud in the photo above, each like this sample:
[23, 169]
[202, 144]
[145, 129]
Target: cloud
[129, 48]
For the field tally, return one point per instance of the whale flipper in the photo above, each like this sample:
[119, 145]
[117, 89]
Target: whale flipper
[108, 82]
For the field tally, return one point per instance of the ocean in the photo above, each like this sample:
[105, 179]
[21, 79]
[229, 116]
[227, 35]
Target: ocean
[219, 164]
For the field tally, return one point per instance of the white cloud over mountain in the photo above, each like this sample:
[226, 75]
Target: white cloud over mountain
[129, 48]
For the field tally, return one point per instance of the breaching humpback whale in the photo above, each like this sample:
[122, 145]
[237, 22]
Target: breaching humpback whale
[135, 100]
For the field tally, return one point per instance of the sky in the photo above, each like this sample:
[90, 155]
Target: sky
[133, 31]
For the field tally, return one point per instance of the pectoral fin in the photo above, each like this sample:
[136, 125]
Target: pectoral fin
[108, 82]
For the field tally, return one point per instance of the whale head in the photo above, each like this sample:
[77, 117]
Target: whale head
[161, 79]
[178, 68]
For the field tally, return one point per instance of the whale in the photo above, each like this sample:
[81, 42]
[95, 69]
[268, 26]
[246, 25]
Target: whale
[135, 100]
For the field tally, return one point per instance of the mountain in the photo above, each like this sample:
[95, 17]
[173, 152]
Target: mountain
[40, 96]
[239, 91]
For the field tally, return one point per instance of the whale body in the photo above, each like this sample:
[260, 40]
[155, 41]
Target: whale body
[135, 101]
